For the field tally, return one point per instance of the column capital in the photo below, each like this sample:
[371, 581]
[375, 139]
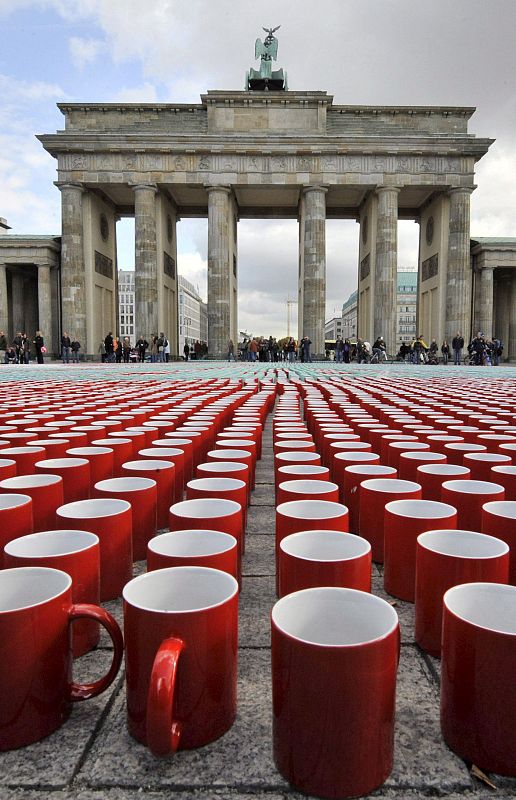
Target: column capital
[149, 186]
[380, 189]
[69, 185]
[218, 188]
[461, 190]
[316, 187]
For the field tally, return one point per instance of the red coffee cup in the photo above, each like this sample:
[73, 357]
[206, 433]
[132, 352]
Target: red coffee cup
[16, 518]
[163, 473]
[36, 693]
[25, 457]
[141, 493]
[74, 552]
[506, 477]
[46, 492]
[354, 476]
[499, 519]
[468, 497]
[446, 558]
[432, 476]
[213, 513]
[181, 631]
[194, 548]
[75, 473]
[335, 649]
[478, 690]
[323, 558]
[374, 496]
[101, 461]
[307, 490]
[404, 520]
[7, 468]
[111, 520]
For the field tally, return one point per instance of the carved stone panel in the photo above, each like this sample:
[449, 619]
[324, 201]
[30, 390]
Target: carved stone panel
[430, 267]
[169, 265]
[365, 267]
[103, 265]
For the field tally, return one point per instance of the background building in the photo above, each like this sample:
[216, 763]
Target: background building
[193, 318]
[332, 329]
[349, 317]
[406, 303]
[126, 304]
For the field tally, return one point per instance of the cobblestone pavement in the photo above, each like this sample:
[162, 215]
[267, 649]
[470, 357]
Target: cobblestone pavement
[92, 757]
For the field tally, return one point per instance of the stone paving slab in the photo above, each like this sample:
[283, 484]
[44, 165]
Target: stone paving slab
[259, 556]
[242, 757]
[263, 495]
[405, 611]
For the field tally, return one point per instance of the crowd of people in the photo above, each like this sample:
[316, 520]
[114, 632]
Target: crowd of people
[113, 349]
[260, 348]
[19, 351]
[195, 350]
[481, 350]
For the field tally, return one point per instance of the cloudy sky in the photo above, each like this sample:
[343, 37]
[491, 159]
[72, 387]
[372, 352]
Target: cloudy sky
[450, 52]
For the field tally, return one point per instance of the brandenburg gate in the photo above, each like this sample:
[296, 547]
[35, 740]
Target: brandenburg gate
[264, 154]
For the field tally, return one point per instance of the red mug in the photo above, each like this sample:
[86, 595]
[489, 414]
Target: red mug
[142, 495]
[432, 476]
[478, 688]
[499, 519]
[323, 558]
[74, 552]
[374, 496]
[163, 473]
[46, 492]
[468, 497]
[36, 693]
[181, 638]
[111, 520]
[335, 656]
[404, 520]
[446, 558]
[194, 548]
[307, 490]
[16, 518]
[75, 473]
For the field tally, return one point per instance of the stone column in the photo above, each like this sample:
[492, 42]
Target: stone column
[18, 300]
[459, 275]
[45, 303]
[485, 298]
[511, 344]
[314, 267]
[386, 265]
[219, 269]
[4, 314]
[146, 262]
[73, 274]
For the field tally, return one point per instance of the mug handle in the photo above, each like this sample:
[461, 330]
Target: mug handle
[163, 732]
[84, 691]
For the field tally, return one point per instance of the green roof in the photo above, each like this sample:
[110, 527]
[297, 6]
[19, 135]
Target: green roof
[407, 278]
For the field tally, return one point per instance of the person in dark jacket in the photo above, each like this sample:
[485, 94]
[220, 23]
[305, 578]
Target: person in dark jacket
[142, 346]
[457, 347]
[66, 343]
[39, 344]
[75, 347]
[109, 344]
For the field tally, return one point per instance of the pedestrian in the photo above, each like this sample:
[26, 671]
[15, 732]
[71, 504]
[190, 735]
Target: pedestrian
[166, 350]
[497, 351]
[142, 347]
[3, 348]
[197, 349]
[253, 349]
[117, 349]
[109, 343]
[66, 344]
[306, 349]
[457, 347]
[102, 351]
[186, 351]
[231, 350]
[160, 344]
[75, 347]
[380, 349]
[347, 351]
[25, 349]
[39, 344]
[445, 350]
[154, 348]
[126, 349]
